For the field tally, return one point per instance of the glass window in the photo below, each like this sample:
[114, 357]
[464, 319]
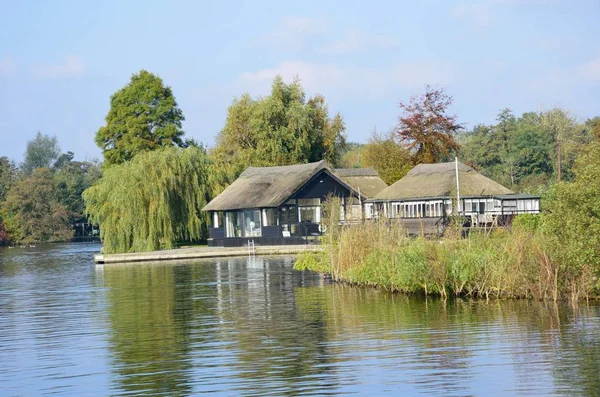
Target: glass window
[309, 202]
[252, 223]
[310, 214]
[234, 224]
[270, 217]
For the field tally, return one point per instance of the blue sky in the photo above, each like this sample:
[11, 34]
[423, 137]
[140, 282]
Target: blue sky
[61, 60]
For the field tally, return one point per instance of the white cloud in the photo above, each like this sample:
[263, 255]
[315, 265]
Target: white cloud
[292, 32]
[355, 41]
[7, 67]
[73, 65]
[350, 81]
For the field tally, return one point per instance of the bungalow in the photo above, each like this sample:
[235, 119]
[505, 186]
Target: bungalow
[425, 196]
[277, 205]
[366, 182]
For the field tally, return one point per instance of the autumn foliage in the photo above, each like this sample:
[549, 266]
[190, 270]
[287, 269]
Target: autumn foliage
[425, 128]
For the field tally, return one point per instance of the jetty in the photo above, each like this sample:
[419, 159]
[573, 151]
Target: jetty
[205, 253]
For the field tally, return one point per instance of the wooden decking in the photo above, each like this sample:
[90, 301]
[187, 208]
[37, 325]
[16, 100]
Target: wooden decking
[204, 253]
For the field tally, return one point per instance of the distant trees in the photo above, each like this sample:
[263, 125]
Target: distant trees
[282, 128]
[527, 151]
[32, 211]
[143, 116]
[425, 128]
[151, 201]
[40, 201]
[41, 152]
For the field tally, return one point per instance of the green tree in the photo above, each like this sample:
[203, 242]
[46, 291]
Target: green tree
[279, 129]
[8, 176]
[391, 160]
[152, 201]
[41, 152]
[572, 216]
[72, 179]
[32, 212]
[143, 116]
[351, 156]
[425, 128]
[561, 127]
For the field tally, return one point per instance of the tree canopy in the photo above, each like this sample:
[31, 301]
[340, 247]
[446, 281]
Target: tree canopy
[572, 214]
[391, 160]
[143, 116]
[282, 128]
[41, 152]
[426, 129]
[32, 211]
[152, 201]
[523, 153]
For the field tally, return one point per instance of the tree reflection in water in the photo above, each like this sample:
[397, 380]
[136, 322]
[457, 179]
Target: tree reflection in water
[256, 327]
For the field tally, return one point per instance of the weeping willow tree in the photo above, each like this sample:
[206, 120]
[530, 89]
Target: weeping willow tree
[152, 201]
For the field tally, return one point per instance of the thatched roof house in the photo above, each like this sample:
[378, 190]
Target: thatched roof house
[276, 205]
[428, 193]
[364, 180]
[260, 187]
[439, 180]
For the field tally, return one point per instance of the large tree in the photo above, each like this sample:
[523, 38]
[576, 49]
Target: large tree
[32, 212]
[281, 128]
[41, 152]
[572, 215]
[143, 116]
[425, 127]
[152, 201]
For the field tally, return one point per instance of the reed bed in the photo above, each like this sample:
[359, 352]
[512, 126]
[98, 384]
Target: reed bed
[505, 263]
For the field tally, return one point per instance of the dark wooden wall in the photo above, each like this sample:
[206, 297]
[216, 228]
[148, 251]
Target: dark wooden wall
[321, 186]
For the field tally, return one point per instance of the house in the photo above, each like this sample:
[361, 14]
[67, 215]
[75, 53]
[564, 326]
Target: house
[425, 196]
[276, 205]
[367, 183]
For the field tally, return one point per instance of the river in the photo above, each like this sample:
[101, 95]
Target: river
[255, 327]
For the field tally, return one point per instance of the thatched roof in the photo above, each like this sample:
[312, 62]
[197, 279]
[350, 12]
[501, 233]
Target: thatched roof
[259, 187]
[439, 180]
[364, 180]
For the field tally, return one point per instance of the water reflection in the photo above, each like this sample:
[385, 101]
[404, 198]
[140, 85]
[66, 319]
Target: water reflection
[256, 327]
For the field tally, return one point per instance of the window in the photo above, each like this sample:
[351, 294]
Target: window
[270, 217]
[309, 202]
[252, 223]
[310, 214]
[233, 224]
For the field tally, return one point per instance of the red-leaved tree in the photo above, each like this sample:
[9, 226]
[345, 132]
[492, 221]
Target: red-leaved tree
[425, 129]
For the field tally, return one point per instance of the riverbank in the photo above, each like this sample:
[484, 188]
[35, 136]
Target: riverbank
[519, 263]
[204, 252]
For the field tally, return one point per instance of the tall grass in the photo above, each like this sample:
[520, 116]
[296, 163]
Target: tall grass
[515, 263]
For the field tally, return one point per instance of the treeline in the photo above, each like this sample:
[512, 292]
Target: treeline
[525, 153]
[41, 198]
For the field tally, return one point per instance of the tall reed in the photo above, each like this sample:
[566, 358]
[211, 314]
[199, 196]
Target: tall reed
[505, 263]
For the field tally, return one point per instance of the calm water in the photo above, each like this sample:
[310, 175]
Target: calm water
[234, 327]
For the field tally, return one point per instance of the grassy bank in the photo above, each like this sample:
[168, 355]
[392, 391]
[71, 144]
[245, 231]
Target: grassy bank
[516, 263]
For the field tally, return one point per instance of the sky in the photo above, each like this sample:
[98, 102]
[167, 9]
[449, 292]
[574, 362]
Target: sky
[60, 61]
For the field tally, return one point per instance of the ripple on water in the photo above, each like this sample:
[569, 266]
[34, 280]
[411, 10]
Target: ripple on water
[224, 328]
